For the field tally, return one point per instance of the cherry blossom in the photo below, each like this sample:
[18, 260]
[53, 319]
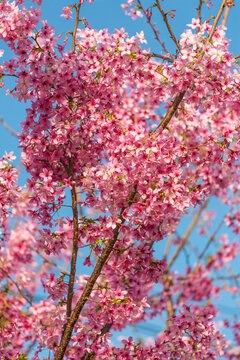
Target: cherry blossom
[93, 142]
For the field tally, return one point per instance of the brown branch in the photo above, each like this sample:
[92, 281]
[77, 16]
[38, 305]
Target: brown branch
[74, 252]
[154, 29]
[225, 15]
[68, 329]
[158, 56]
[199, 9]
[171, 111]
[167, 281]
[169, 303]
[17, 286]
[105, 330]
[12, 132]
[211, 239]
[216, 20]
[165, 19]
[75, 27]
[186, 236]
[170, 239]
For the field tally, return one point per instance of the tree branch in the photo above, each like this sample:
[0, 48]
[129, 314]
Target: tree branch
[74, 252]
[211, 239]
[68, 329]
[186, 236]
[158, 56]
[46, 260]
[216, 20]
[199, 10]
[225, 15]
[170, 239]
[17, 286]
[165, 19]
[171, 111]
[154, 29]
[76, 26]
[12, 132]
[105, 330]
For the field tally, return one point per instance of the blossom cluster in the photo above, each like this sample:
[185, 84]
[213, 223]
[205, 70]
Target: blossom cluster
[91, 130]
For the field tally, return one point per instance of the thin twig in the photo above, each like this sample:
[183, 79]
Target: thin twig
[165, 19]
[154, 30]
[186, 236]
[68, 329]
[65, 272]
[75, 27]
[12, 132]
[17, 286]
[216, 20]
[106, 328]
[230, 277]
[158, 56]
[30, 347]
[211, 239]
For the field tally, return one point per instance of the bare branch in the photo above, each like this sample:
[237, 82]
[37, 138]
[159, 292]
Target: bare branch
[165, 19]
[9, 128]
[186, 236]
[216, 20]
[65, 272]
[158, 56]
[74, 251]
[169, 303]
[76, 26]
[168, 245]
[199, 10]
[154, 29]
[17, 286]
[225, 15]
[212, 238]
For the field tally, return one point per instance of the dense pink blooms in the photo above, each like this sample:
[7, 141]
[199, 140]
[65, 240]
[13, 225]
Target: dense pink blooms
[89, 133]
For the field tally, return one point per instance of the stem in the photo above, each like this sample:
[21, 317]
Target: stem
[165, 19]
[67, 332]
[220, 11]
[75, 27]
